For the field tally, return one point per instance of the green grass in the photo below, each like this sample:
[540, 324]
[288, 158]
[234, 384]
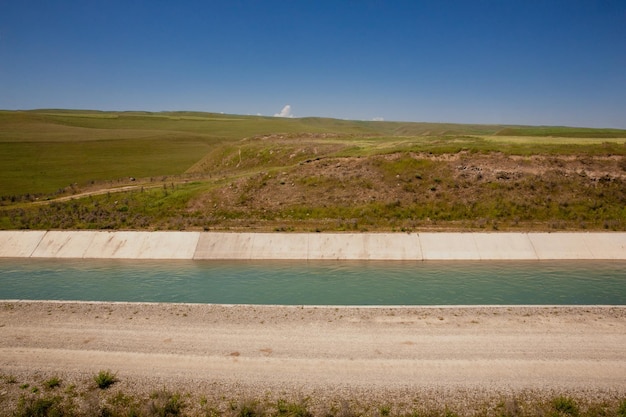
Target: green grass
[561, 132]
[33, 167]
[165, 404]
[43, 407]
[104, 379]
[566, 406]
[53, 382]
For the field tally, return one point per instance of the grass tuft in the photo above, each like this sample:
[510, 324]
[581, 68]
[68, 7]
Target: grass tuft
[42, 407]
[105, 379]
[165, 404]
[621, 410]
[566, 406]
[287, 409]
[51, 383]
[247, 408]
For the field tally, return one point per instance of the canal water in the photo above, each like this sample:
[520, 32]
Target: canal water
[317, 283]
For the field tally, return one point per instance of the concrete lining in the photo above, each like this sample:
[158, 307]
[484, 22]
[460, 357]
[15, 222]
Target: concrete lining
[143, 245]
[169, 245]
[224, 246]
[279, 246]
[560, 245]
[60, 244]
[335, 246]
[393, 246]
[308, 246]
[492, 246]
[312, 246]
[448, 246]
[115, 245]
[606, 245]
[18, 243]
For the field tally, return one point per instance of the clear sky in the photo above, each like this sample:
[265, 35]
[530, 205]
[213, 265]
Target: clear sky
[536, 62]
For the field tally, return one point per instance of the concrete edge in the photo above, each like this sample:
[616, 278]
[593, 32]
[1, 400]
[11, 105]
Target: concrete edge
[313, 246]
[335, 307]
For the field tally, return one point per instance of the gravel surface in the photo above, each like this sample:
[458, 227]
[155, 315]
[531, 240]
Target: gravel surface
[372, 354]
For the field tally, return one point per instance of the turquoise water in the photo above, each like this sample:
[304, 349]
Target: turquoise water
[317, 283]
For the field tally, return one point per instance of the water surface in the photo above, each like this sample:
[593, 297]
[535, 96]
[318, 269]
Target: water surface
[317, 283]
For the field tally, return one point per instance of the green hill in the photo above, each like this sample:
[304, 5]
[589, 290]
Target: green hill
[207, 170]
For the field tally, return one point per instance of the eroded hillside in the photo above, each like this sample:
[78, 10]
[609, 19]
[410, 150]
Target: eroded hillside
[409, 191]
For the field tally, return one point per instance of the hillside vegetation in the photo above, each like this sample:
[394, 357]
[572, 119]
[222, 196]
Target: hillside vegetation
[62, 169]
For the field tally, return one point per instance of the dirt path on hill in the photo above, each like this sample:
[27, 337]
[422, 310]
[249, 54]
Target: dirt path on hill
[377, 352]
[102, 191]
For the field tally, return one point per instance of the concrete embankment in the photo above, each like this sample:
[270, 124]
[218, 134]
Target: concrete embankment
[311, 246]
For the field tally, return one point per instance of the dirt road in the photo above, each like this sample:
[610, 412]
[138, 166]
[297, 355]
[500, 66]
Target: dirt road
[260, 349]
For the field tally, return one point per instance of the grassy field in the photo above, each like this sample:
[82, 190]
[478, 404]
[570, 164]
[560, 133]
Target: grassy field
[194, 170]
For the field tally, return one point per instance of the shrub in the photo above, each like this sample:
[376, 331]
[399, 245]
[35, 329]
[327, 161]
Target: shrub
[105, 379]
[52, 383]
[247, 408]
[40, 407]
[286, 409]
[384, 410]
[165, 404]
[565, 406]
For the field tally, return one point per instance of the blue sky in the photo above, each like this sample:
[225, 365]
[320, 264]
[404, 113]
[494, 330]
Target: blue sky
[512, 62]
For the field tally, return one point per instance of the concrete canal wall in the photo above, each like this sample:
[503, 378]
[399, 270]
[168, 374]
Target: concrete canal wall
[311, 246]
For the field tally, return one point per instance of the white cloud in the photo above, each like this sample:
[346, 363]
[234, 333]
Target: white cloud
[285, 112]
[378, 119]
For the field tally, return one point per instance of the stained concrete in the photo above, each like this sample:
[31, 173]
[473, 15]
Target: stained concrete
[61, 244]
[19, 244]
[143, 245]
[116, 245]
[98, 244]
[312, 246]
[169, 245]
[364, 246]
[224, 246]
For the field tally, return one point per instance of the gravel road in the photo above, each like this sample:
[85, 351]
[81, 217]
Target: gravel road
[374, 352]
